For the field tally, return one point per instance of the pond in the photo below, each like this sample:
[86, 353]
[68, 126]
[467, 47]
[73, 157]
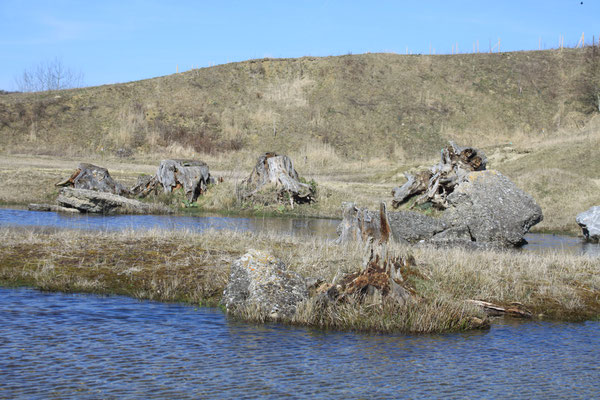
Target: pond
[537, 242]
[55, 345]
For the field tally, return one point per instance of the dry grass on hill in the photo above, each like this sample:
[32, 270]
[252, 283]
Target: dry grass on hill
[385, 106]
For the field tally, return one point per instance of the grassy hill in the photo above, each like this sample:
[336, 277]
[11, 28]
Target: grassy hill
[352, 123]
[370, 106]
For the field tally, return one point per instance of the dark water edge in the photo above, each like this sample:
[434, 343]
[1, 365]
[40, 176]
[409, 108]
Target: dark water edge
[319, 227]
[56, 345]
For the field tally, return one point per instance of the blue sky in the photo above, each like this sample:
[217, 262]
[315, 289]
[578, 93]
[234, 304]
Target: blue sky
[119, 41]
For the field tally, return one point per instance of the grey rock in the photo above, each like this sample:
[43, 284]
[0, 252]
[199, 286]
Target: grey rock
[261, 282]
[406, 226]
[589, 221]
[92, 201]
[486, 210]
[493, 209]
[413, 226]
[454, 234]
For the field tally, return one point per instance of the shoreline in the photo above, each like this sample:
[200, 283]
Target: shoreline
[193, 268]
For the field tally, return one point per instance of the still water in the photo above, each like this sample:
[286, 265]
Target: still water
[290, 226]
[56, 346]
[285, 226]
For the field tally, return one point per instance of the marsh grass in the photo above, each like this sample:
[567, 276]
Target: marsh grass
[194, 268]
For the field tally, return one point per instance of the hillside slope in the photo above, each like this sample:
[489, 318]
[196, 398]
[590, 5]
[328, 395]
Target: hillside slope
[369, 105]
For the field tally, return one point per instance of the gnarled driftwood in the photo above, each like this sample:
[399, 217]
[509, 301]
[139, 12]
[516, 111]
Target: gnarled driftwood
[437, 182]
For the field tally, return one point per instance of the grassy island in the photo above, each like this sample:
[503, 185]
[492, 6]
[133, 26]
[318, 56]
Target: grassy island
[194, 268]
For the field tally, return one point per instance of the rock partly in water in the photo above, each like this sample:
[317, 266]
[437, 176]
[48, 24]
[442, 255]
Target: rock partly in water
[486, 210]
[480, 208]
[492, 209]
[261, 283]
[589, 221]
[277, 172]
[93, 177]
[405, 226]
[92, 201]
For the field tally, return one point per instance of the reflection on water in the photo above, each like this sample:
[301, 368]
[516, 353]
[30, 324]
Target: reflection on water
[290, 226]
[539, 243]
[285, 226]
[56, 345]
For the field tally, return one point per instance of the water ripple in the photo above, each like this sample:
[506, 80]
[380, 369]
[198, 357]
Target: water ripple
[56, 345]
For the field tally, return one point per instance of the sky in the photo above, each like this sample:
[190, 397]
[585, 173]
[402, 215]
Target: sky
[112, 41]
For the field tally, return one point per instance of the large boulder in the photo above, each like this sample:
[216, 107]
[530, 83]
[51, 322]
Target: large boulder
[492, 208]
[92, 201]
[92, 177]
[590, 223]
[258, 281]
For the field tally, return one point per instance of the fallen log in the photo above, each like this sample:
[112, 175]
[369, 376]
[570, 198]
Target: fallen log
[493, 309]
[51, 207]
[92, 201]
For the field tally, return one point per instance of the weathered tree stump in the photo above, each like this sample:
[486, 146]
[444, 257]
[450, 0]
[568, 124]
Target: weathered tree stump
[437, 182]
[277, 171]
[381, 272]
[193, 176]
[93, 177]
[145, 185]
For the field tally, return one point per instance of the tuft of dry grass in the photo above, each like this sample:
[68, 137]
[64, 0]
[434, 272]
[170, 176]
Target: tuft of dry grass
[194, 267]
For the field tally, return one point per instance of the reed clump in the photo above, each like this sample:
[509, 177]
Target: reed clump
[194, 268]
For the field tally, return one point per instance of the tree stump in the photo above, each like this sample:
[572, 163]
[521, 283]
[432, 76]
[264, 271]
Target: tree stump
[93, 177]
[193, 176]
[276, 171]
[381, 276]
